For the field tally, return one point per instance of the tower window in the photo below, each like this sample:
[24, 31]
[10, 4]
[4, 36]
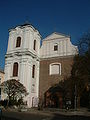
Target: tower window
[34, 45]
[15, 69]
[33, 71]
[55, 47]
[18, 42]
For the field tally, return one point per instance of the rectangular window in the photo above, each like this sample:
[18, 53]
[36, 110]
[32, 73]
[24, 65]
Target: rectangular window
[15, 69]
[18, 42]
[33, 71]
[34, 46]
[55, 47]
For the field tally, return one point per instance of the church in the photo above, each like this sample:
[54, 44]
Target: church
[38, 66]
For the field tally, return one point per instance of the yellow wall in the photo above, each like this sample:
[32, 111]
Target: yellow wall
[2, 76]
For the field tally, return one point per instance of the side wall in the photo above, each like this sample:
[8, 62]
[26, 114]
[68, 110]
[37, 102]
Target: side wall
[47, 80]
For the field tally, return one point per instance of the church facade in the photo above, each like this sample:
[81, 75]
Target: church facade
[37, 67]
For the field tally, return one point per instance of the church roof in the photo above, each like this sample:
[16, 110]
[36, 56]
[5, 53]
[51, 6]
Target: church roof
[22, 25]
[25, 24]
[61, 34]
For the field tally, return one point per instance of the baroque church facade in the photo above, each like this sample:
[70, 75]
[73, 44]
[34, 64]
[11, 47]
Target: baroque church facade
[37, 67]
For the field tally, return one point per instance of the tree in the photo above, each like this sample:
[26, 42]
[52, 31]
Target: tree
[80, 73]
[79, 81]
[84, 43]
[14, 89]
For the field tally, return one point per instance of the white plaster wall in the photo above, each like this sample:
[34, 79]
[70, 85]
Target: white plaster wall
[26, 58]
[28, 35]
[24, 74]
[65, 47]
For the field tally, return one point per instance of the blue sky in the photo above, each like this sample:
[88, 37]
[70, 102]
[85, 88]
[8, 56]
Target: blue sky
[71, 17]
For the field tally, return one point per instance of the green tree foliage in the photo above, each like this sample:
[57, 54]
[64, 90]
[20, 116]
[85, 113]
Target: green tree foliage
[14, 89]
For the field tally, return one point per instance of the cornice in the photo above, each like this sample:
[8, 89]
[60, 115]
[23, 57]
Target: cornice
[22, 53]
[57, 57]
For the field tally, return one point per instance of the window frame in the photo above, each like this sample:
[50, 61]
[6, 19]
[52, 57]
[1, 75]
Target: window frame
[55, 47]
[50, 67]
[18, 42]
[15, 69]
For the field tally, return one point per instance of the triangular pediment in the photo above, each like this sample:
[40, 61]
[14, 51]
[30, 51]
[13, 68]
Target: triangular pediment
[56, 35]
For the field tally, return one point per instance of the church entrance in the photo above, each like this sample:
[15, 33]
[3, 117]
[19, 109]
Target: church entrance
[54, 97]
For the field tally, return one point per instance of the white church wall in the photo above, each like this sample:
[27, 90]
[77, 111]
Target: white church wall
[65, 47]
[26, 57]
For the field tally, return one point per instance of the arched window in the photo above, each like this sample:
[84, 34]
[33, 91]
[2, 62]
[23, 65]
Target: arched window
[18, 42]
[33, 71]
[55, 69]
[34, 45]
[15, 69]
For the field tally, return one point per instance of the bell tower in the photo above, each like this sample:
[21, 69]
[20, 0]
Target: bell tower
[22, 59]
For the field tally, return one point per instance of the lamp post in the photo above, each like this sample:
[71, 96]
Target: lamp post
[75, 99]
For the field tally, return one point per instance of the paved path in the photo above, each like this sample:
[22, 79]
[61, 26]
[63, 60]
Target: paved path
[47, 115]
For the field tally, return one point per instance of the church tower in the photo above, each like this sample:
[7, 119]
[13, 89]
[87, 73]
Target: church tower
[22, 59]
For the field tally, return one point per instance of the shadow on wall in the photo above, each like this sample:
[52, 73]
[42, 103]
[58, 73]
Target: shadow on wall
[54, 97]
